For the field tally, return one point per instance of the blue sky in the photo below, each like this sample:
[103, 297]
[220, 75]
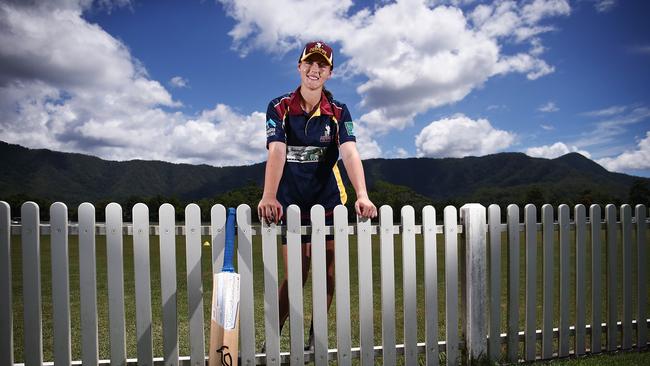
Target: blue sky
[189, 81]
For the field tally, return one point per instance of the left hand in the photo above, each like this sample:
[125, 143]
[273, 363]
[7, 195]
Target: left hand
[365, 208]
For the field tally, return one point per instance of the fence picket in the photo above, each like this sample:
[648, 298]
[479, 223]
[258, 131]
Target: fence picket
[194, 284]
[626, 225]
[530, 218]
[430, 284]
[386, 256]
[6, 314]
[218, 243]
[409, 278]
[642, 271]
[88, 283]
[60, 283]
[612, 283]
[494, 222]
[581, 293]
[563, 218]
[513, 283]
[451, 284]
[167, 233]
[142, 283]
[366, 312]
[294, 279]
[31, 244]
[319, 284]
[271, 315]
[115, 273]
[342, 275]
[245, 269]
[549, 284]
[595, 216]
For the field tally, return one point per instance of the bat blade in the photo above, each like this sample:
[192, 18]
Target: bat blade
[224, 324]
[224, 320]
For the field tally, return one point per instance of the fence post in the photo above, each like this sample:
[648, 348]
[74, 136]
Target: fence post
[473, 219]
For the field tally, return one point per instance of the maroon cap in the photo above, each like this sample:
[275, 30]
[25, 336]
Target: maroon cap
[318, 47]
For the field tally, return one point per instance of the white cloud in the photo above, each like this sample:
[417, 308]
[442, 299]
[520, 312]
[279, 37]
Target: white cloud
[547, 127]
[413, 55]
[628, 160]
[548, 107]
[554, 151]
[603, 6]
[179, 82]
[67, 85]
[610, 111]
[614, 121]
[460, 136]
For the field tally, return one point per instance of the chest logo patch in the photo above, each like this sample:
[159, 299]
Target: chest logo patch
[327, 137]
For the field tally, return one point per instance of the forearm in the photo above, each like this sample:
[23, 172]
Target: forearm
[274, 168]
[354, 168]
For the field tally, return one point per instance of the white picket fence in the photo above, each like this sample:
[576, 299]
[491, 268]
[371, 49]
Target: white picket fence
[472, 284]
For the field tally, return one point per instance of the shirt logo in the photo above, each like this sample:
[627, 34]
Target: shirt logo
[270, 128]
[326, 135]
[349, 127]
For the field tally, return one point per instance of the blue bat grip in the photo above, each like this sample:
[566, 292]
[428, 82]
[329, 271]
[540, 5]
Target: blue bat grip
[229, 249]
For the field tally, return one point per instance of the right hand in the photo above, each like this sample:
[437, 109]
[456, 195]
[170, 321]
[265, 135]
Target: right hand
[269, 210]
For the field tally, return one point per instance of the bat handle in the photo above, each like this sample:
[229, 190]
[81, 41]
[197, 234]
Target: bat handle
[229, 249]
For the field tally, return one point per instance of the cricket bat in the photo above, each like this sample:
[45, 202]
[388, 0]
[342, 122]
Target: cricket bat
[224, 324]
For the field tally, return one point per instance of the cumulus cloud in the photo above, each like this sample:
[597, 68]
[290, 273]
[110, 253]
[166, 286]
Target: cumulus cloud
[179, 82]
[554, 151]
[460, 136]
[412, 55]
[67, 85]
[548, 107]
[630, 160]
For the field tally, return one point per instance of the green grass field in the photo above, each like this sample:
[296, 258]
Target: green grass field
[129, 290]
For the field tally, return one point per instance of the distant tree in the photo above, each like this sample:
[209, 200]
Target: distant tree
[535, 195]
[640, 193]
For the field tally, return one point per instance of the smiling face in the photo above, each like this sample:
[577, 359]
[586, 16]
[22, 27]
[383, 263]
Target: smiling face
[314, 72]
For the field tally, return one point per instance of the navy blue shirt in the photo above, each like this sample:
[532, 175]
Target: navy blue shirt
[310, 174]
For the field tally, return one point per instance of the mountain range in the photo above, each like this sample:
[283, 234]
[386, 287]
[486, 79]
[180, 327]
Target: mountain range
[499, 178]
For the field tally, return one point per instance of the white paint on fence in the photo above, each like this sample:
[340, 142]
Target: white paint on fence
[386, 255]
[476, 278]
[596, 271]
[513, 283]
[319, 284]
[6, 315]
[194, 283]
[430, 284]
[548, 283]
[60, 283]
[115, 272]
[342, 274]
[271, 315]
[245, 269]
[451, 284]
[494, 222]
[474, 221]
[642, 274]
[31, 243]
[366, 311]
[143, 283]
[295, 282]
[530, 218]
[168, 288]
[581, 293]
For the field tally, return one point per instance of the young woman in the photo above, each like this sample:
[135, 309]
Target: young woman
[305, 132]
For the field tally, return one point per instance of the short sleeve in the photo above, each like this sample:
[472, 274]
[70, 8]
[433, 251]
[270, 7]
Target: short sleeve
[274, 126]
[346, 127]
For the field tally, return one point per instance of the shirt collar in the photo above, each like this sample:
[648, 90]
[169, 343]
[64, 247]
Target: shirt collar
[296, 109]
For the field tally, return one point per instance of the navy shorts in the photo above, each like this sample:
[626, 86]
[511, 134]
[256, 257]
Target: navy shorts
[306, 221]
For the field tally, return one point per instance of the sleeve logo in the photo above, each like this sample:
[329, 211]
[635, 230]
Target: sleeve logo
[349, 127]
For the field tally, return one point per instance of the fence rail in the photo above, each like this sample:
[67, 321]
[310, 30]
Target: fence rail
[468, 244]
